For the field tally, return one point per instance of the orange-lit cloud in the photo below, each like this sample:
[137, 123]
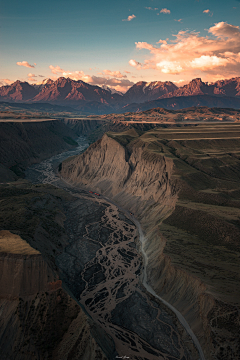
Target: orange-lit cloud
[165, 11]
[4, 82]
[25, 63]
[207, 11]
[32, 77]
[130, 17]
[118, 81]
[116, 74]
[195, 55]
[135, 64]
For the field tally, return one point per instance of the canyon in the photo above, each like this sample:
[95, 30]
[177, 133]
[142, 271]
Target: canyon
[76, 260]
[183, 187]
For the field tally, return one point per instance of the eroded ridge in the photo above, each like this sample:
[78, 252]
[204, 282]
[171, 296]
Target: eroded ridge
[101, 267]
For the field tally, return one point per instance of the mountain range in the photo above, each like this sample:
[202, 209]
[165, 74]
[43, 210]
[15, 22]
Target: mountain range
[92, 99]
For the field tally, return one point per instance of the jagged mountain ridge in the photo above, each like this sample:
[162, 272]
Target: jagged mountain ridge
[95, 99]
[143, 91]
[229, 87]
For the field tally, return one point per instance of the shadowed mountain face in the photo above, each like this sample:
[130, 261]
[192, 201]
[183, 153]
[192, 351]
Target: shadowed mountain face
[18, 91]
[142, 91]
[94, 99]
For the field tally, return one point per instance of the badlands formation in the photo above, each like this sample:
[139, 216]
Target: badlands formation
[62, 248]
[182, 184]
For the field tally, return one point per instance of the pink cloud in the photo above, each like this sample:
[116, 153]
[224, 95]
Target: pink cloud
[114, 73]
[4, 82]
[117, 81]
[206, 11]
[32, 77]
[130, 17]
[190, 53]
[165, 11]
[25, 63]
[135, 63]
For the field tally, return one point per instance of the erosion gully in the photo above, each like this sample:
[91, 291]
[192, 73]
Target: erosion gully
[105, 272]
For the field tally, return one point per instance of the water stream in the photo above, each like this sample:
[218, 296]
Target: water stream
[101, 267]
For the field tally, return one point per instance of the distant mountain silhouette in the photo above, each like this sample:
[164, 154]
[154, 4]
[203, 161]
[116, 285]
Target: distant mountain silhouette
[141, 96]
[177, 103]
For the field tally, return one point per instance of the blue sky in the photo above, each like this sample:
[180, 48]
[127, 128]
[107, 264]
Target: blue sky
[95, 40]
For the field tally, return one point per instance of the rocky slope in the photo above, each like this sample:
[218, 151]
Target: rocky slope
[18, 91]
[39, 319]
[138, 174]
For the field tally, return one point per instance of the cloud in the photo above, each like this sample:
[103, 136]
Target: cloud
[130, 17]
[165, 11]
[135, 63]
[56, 69]
[208, 12]
[26, 64]
[116, 74]
[179, 20]
[32, 77]
[190, 53]
[118, 80]
[150, 8]
[4, 82]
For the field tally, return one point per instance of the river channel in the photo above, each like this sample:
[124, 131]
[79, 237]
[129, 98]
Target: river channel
[103, 268]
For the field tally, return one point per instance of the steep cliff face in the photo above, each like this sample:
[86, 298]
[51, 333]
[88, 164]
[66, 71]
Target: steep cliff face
[82, 127]
[138, 175]
[129, 175]
[26, 143]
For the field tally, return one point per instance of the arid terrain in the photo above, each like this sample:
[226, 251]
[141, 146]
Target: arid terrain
[162, 116]
[183, 186]
[165, 214]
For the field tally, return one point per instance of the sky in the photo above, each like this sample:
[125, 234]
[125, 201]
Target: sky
[119, 42]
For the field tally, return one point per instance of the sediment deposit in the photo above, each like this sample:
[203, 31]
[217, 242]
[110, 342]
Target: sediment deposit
[144, 175]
